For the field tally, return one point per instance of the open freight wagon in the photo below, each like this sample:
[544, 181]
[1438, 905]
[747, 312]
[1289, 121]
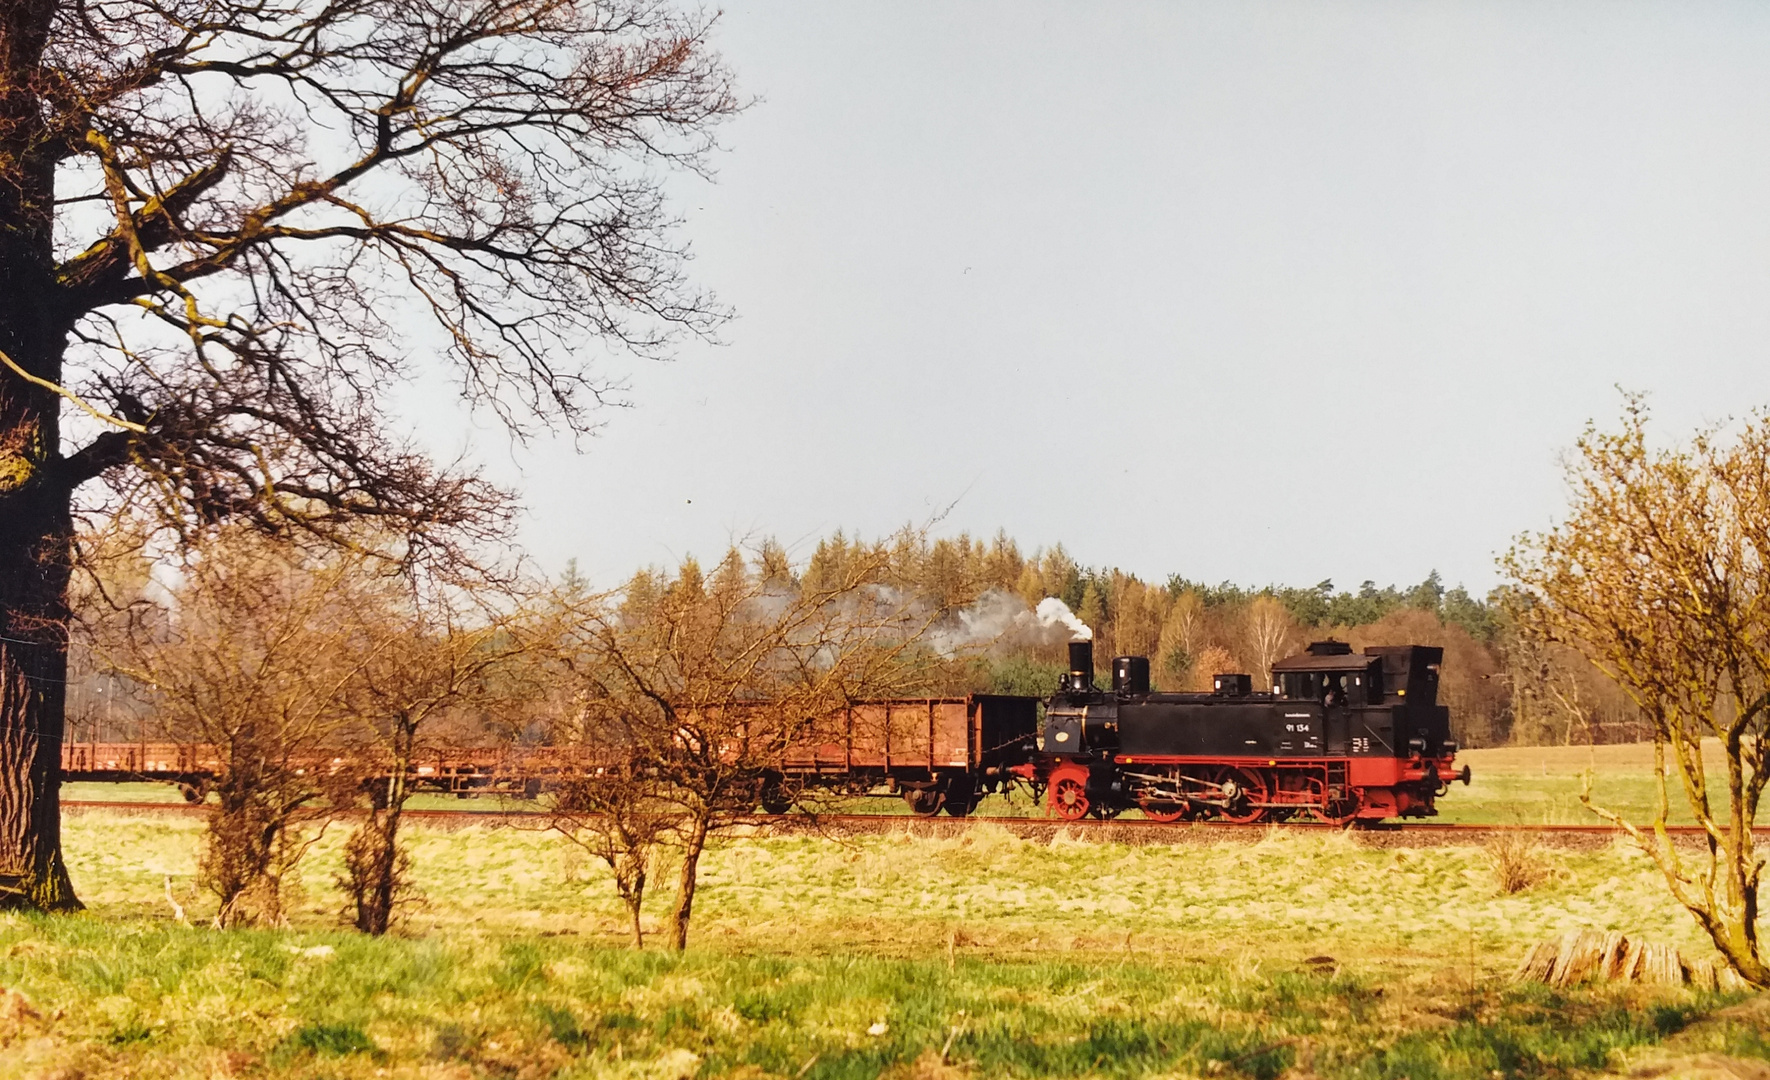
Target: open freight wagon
[937, 753]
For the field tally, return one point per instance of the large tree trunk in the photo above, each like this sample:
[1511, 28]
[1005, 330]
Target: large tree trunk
[33, 684]
[36, 540]
[35, 522]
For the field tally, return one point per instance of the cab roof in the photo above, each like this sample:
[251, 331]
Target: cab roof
[1336, 662]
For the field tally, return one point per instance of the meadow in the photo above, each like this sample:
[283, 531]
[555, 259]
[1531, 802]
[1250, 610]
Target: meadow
[815, 958]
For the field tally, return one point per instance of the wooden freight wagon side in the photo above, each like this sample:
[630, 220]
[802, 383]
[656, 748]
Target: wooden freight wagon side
[911, 738]
[935, 751]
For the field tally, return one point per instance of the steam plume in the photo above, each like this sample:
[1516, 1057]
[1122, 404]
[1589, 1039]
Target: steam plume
[1001, 620]
[1053, 612]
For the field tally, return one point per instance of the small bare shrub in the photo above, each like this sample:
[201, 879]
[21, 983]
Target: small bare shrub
[619, 818]
[1517, 859]
[573, 866]
[377, 873]
[260, 827]
[248, 660]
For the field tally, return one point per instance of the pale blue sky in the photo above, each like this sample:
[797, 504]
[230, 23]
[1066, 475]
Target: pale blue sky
[1262, 292]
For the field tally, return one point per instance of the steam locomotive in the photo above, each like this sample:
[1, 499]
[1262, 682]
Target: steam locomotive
[1341, 737]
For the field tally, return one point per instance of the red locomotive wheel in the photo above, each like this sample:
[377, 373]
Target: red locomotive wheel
[1340, 812]
[1250, 789]
[1157, 807]
[1069, 793]
[1162, 811]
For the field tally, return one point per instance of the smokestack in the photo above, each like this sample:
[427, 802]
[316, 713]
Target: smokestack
[1081, 665]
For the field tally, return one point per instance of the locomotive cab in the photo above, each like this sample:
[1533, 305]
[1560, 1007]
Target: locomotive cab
[1329, 673]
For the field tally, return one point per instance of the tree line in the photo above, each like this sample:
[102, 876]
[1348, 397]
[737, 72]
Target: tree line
[1503, 688]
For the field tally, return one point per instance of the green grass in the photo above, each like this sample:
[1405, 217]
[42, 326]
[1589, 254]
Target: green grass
[1020, 958]
[1542, 785]
[906, 894]
[137, 1000]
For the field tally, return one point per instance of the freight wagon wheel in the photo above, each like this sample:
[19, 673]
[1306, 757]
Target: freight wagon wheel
[924, 801]
[778, 796]
[1069, 794]
[1249, 788]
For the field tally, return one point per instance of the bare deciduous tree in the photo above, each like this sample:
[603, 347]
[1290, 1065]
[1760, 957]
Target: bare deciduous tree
[618, 815]
[222, 228]
[251, 661]
[703, 683]
[425, 658]
[1182, 638]
[1270, 633]
[1660, 576]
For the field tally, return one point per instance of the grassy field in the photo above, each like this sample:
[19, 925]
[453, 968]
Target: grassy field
[813, 959]
[1541, 785]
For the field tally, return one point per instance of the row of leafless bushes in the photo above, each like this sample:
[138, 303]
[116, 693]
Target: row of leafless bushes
[672, 701]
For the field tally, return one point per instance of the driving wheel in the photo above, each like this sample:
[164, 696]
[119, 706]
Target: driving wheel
[1161, 810]
[1244, 788]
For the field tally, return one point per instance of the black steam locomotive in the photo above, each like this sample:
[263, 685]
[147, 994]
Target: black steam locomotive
[1340, 737]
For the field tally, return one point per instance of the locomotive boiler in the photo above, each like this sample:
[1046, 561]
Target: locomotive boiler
[1338, 736]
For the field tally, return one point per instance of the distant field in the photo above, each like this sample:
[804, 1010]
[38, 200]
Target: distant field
[1541, 785]
[1305, 952]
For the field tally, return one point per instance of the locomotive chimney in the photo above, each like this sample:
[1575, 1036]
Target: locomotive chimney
[1081, 666]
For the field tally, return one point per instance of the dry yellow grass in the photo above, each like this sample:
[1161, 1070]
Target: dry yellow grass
[1291, 893]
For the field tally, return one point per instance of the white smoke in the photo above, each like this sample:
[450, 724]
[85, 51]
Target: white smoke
[1054, 612]
[980, 623]
[1001, 619]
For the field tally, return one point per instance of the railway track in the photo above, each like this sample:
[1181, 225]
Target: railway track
[1135, 831]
